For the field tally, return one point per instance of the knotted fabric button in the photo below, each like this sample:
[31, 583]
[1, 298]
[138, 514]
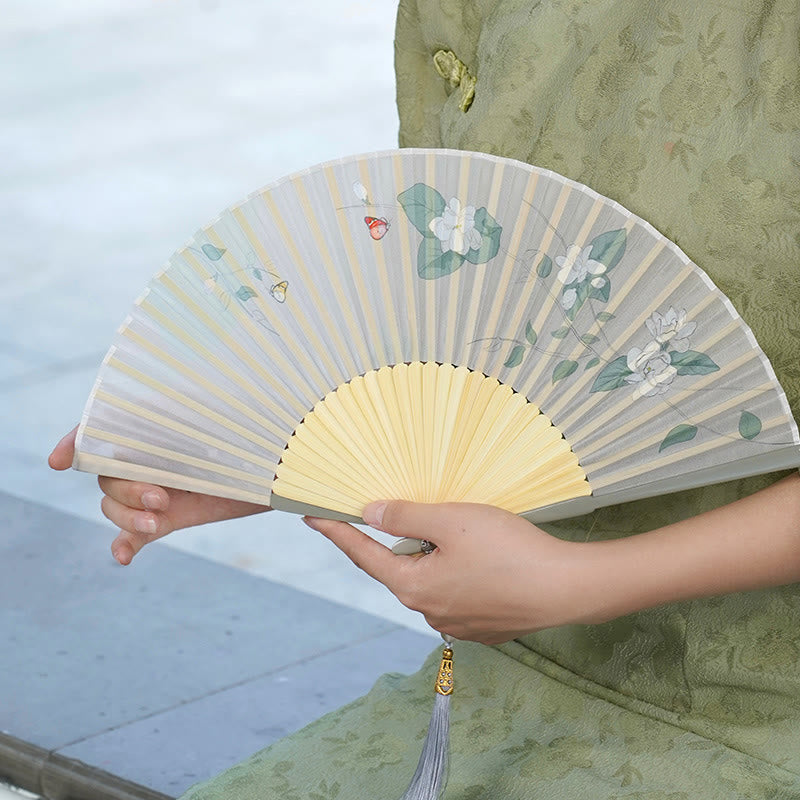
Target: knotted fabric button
[455, 72]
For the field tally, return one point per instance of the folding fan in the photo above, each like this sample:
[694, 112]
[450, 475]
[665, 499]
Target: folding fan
[433, 325]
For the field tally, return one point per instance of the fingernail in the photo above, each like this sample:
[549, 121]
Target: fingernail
[145, 525]
[373, 514]
[153, 502]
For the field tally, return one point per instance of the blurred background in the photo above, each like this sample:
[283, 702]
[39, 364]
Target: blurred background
[126, 125]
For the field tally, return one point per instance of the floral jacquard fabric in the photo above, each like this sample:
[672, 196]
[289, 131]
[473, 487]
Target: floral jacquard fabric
[688, 114]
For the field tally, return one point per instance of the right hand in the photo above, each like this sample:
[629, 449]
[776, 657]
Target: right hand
[145, 512]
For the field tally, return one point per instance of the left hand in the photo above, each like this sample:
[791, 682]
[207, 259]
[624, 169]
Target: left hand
[493, 577]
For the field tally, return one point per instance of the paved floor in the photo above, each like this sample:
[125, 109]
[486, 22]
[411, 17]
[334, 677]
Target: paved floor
[124, 126]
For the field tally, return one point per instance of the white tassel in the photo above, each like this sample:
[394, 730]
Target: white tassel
[431, 776]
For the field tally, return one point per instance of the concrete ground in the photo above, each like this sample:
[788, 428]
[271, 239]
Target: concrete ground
[126, 124]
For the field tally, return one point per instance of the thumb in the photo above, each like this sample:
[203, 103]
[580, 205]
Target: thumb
[414, 520]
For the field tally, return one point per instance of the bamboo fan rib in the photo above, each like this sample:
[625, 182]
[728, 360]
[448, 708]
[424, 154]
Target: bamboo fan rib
[433, 325]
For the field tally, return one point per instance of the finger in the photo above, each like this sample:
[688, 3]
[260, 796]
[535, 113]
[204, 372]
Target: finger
[64, 451]
[134, 520]
[135, 494]
[127, 545]
[367, 554]
[431, 521]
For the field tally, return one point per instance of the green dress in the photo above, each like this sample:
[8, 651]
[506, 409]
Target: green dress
[688, 114]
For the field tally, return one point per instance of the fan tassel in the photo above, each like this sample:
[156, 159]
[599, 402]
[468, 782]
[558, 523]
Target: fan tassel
[431, 776]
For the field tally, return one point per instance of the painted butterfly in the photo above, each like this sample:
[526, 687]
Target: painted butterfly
[278, 291]
[377, 227]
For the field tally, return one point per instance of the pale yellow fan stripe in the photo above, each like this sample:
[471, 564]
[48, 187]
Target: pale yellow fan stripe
[200, 408]
[619, 456]
[457, 277]
[520, 226]
[502, 291]
[181, 458]
[383, 390]
[253, 328]
[389, 311]
[547, 364]
[429, 286]
[206, 384]
[591, 216]
[185, 430]
[373, 331]
[448, 389]
[324, 322]
[713, 444]
[101, 465]
[636, 323]
[231, 342]
[629, 395]
[407, 269]
[614, 409]
[170, 325]
[331, 269]
[307, 367]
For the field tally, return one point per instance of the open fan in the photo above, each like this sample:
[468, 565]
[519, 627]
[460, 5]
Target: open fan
[433, 325]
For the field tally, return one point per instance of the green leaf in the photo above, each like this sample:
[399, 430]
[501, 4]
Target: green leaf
[257, 273]
[601, 293]
[749, 425]
[588, 338]
[680, 433]
[612, 376]
[609, 247]
[490, 232]
[604, 316]
[561, 333]
[592, 363]
[432, 263]
[564, 369]
[422, 204]
[245, 293]
[692, 363]
[515, 359]
[530, 333]
[545, 267]
[213, 253]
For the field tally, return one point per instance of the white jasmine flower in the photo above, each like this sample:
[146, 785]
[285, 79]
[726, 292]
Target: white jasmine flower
[671, 328]
[455, 229]
[576, 264]
[652, 370]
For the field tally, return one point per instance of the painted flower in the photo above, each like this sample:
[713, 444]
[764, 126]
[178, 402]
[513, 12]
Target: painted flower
[576, 265]
[455, 229]
[651, 370]
[568, 298]
[671, 329]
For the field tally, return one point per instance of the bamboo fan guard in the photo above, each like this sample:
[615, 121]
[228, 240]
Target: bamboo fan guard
[433, 325]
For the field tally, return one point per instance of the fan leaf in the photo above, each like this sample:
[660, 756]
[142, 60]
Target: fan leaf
[213, 253]
[422, 204]
[490, 232]
[564, 369]
[680, 433]
[245, 293]
[515, 358]
[692, 363]
[545, 267]
[749, 425]
[432, 263]
[612, 376]
[609, 247]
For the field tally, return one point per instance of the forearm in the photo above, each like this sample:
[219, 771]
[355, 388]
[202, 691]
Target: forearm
[750, 544]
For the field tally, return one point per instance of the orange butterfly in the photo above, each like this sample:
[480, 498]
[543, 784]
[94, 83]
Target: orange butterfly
[377, 227]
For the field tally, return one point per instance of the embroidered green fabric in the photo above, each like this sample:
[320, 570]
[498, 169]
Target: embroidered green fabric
[689, 115]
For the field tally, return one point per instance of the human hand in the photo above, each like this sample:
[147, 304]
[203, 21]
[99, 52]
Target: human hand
[145, 512]
[493, 576]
